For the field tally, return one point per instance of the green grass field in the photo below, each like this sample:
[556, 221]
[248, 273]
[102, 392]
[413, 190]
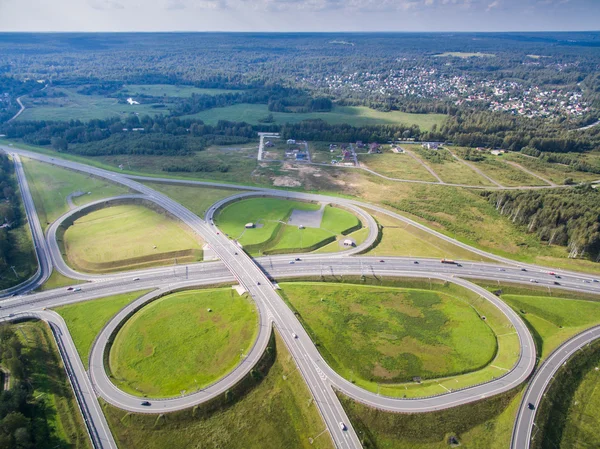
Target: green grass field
[50, 186]
[183, 342]
[169, 90]
[396, 165]
[554, 319]
[448, 168]
[554, 172]
[390, 335]
[51, 386]
[196, 198]
[485, 424]
[276, 411]
[57, 280]
[75, 106]
[131, 236]
[86, 319]
[271, 233]
[352, 115]
[402, 239]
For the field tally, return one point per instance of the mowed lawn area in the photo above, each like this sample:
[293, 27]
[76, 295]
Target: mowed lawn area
[351, 115]
[51, 185]
[131, 236]
[70, 105]
[271, 233]
[183, 342]
[372, 334]
[86, 319]
[276, 411]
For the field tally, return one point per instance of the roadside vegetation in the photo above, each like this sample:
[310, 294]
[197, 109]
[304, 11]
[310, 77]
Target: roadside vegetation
[271, 234]
[86, 319]
[384, 338]
[17, 255]
[271, 409]
[128, 236]
[484, 424]
[57, 280]
[196, 198]
[569, 414]
[183, 342]
[39, 409]
[51, 186]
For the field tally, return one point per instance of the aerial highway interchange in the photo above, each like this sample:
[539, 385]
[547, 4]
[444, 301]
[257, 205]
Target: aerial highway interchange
[256, 276]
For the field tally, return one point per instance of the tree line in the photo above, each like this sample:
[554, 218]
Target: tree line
[566, 217]
[10, 213]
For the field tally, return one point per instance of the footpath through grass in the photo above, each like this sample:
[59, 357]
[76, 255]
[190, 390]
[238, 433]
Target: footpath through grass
[379, 337]
[50, 186]
[270, 409]
[183, 342]
[51, 386]
[129, 236]
[86, 319]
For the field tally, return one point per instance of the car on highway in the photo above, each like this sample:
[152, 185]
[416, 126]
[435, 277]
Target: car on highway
[382, 261]
[551, 273]
[291, 262]
[523, 269]
[458, 265]
[416, 262]
[78, 289]
[533, 280]
[258, 283]
[70, 289]
[136, 279]
[11, 315]
[557, 276]
[502, 269]
[342, 426]
[294, 335]
[556, 283]
[298, 259]
[531, 406]
[146, 403]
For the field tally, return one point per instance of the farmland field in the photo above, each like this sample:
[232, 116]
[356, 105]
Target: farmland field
[169, 90]
[383, 335]
[276, 399]
[67, 105]
[123, 237]
[183, 342]
[352, 115]
[50, 186]
[86, 319]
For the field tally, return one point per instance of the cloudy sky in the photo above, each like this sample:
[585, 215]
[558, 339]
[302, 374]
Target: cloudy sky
[298, 15]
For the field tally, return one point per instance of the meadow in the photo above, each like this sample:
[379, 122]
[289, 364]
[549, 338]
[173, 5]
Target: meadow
[57, 280]
[396, 165]
[51, 185]
[183, 342]
[70, 105]
[170, 90]
[386, 335]
[556, 173]
[274, 411]
[351, 115]
[86, 319]
[128, 236]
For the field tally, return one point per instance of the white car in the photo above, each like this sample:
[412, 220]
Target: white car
[342, 426]
[294, 335]
[533, 280]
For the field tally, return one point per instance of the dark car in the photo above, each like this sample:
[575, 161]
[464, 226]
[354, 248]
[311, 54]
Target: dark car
[416, 262]
[382, 261]
[298, 259]
[70, 289]
[146, 403]
[556, 283]
[531, 406]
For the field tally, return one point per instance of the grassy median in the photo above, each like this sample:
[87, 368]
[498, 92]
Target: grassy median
[128, 236]
[183, 342]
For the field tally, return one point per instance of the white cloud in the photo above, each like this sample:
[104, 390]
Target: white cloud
[493, 5]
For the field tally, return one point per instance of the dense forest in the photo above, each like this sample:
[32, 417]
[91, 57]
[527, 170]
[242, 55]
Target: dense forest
[567, 217]
[10, 211]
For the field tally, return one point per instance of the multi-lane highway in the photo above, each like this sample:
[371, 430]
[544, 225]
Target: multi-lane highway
[253, 275]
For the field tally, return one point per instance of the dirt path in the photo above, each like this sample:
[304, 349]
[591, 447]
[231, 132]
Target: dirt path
[427, 167]
[18, 113]
[547, 181]
[476, 170]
